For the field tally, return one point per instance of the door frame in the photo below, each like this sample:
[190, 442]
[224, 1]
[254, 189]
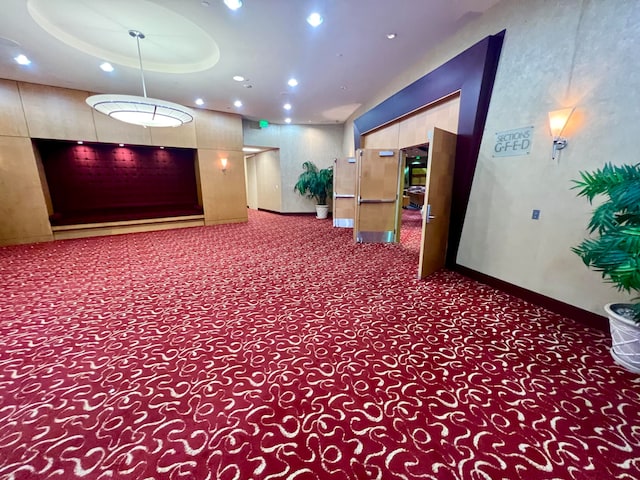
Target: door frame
[472, 73]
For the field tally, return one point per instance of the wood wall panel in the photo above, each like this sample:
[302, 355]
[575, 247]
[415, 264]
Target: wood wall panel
[12, 121]
[23, 210]
[58, 113]
[414, 128]
[40, 111]
[224, 198]
[216, 130]
[184, 136]
[385, 137]
[109, 130]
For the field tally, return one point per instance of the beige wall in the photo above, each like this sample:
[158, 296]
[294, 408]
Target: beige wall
[251, 181]
[269, 177]
[40, 111]
[599, 77]
[320, 144]
[573, 53]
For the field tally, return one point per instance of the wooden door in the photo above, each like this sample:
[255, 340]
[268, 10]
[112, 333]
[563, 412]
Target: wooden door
[377, 196]
[344, 192]
[437, 202]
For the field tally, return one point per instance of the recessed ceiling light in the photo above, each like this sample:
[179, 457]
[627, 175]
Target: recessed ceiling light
[233, 4]
[121, 144]
[315, 19]
[106, 67]
[237, 103]
[161, 148]
[251, 149]
[22, 59]
[391, 36]
[239, 78]
[247, 85]
[80, 142]
[292, 82]
[287, 120]
[287, 106]
[199, 101]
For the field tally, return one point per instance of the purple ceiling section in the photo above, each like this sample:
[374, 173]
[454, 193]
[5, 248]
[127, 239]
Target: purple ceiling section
[472, 73]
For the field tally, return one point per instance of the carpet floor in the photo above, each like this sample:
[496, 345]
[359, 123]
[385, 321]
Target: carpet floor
[279, 349]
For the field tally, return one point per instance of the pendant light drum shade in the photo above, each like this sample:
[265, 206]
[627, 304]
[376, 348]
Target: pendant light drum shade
[145, 111]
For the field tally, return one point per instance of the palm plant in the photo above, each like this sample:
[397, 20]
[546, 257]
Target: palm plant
[615, 250]
[315, 183]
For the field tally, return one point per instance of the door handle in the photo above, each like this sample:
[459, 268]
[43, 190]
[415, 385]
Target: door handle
[364, 200]
[429, 217]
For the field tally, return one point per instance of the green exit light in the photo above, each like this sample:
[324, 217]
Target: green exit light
[417, 158]
[263, 123]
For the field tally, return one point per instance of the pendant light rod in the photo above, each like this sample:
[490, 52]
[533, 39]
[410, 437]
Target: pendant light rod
[138, 35]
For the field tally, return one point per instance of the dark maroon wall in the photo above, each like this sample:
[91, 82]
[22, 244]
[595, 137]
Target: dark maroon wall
[104, 182]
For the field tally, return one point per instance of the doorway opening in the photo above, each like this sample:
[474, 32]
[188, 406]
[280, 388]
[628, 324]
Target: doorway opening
[413, 194]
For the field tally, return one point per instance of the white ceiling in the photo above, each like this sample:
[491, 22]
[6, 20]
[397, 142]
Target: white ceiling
[193, 48]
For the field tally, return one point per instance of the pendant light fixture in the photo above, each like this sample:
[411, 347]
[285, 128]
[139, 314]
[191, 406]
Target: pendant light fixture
[145, 111]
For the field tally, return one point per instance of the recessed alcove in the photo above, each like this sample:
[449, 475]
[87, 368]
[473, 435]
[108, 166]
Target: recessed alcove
[92, 183]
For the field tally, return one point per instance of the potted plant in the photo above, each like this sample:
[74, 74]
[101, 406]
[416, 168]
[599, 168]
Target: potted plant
[614, 250]
[316, 184]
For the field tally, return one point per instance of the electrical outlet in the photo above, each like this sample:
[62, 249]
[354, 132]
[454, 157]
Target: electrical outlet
[535, 215]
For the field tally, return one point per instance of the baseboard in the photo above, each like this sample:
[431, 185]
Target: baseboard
[226, 221]
[67, 232]
[585, 317]
[288, 213]
[5, 242]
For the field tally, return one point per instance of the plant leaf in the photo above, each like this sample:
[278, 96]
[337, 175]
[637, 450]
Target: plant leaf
[614, 251]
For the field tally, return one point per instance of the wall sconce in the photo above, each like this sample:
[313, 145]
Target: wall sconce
[223, 162]
[557, 121]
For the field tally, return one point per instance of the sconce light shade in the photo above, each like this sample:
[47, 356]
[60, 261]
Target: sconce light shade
[557, 121]
[223, 162]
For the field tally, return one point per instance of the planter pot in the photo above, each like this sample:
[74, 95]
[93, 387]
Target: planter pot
[322, 211]
[625, 337]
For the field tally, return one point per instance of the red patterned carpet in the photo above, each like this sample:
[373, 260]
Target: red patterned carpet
[279, 349]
